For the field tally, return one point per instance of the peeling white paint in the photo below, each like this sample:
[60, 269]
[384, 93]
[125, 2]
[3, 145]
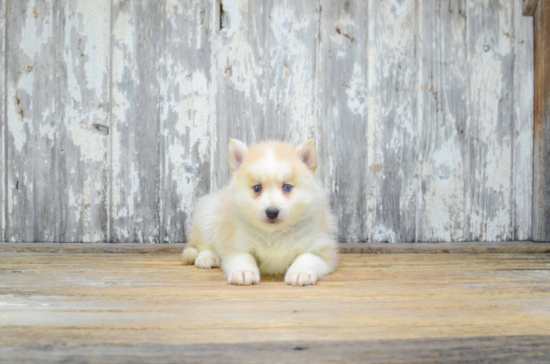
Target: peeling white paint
[443, 202]
[270, 70]
[292, 50]
[37, 32]
[123, 33]
[235, 56]
[74, 204]
[491, 211]
[3, 122]
[18, 124]
[391, 120]
[523, 45]
[356, 91]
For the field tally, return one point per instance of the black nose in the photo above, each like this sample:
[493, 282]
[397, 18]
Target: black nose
[272, 213]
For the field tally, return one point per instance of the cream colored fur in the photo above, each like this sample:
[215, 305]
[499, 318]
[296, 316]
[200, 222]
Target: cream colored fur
[231, 228]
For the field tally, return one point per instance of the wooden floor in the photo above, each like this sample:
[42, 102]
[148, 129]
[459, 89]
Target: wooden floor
[374, 308]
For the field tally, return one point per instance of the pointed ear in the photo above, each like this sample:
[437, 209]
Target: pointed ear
[308, 154]
[237, 153]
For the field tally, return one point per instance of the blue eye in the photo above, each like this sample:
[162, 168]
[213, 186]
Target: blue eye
[257, 188]
[287, 188]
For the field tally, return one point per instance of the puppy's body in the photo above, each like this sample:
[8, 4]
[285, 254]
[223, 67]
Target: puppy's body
[258, 224]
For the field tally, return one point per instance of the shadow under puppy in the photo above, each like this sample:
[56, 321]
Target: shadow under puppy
[273, 218]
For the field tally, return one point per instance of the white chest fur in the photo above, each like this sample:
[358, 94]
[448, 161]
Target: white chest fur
[274, 252]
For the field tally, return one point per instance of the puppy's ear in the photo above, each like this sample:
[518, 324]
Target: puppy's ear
[308, 154]
[237, 153]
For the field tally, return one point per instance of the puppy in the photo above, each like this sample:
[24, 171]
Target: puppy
[272, 219]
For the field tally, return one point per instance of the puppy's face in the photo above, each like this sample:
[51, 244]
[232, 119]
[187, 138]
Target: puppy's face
[273, 185]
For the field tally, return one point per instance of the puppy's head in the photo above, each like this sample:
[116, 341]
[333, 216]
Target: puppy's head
[273, 184]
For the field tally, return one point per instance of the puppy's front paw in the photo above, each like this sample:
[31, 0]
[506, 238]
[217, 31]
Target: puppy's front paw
[300, 277]
[243, 277]
[207, 259]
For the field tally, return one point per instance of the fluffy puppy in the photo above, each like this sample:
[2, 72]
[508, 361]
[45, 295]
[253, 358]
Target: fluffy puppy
[272, 219]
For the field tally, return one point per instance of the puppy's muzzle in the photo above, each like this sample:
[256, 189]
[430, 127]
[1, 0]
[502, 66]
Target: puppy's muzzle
[272, 213]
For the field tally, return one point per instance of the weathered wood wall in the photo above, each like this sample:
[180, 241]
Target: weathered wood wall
[116, 113]
[541, 183]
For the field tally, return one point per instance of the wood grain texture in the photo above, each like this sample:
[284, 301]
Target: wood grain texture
[240, 73]
[95, 304]
[541, 170]
[135, 140]
[529, 7]
[442, 142]
[186, 113]
[503, 349]
[501, 247]
[343, 112]
[266, 74]
[392, 120]
[83, 136]
[117, 114]
[33, 151]
[490, 124]
[2, 121]
[523, 112]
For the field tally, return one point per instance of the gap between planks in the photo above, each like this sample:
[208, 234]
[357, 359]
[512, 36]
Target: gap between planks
[509, 247]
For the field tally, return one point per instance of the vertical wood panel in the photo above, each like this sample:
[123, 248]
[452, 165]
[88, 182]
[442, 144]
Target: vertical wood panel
[422, 110]
[443, 116]
[241, 70]
[84, 131]
[392, 120]
[541, 185]
[135, 121]
[490, 127]
[523, 123]
[529, 7]
[291, 45]
[266, 62]
[2, 121]
[186, 112]
[32, 120]
[343, 102]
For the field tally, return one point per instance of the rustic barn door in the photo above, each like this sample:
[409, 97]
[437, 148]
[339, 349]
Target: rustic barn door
[116, 113]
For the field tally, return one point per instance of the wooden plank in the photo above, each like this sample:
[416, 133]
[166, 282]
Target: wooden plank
[241, 71]
[541, 171]
[83, 138]
[290, 58]
[343, 110]
[490, 29]
[33, 185]
[100, 306]
[282, 70]
[529, 7]
[502, 247]
[186, 113]
[392, 120]
[523, 112]
[135, 141]
[3, 122]
[442, 148]
[266, 74]
[501, 349]
[58, 97]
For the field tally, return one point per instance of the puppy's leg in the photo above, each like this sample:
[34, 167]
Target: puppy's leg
[189, 255]
[207, 259]
[199, 253]
[306, 270]
[241, 269]
[203, 258]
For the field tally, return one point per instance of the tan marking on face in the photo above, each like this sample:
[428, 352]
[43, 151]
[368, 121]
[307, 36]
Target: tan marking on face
[270, 163]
